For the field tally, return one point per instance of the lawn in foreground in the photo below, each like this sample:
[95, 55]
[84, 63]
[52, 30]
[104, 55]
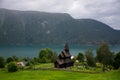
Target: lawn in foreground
[57, 75]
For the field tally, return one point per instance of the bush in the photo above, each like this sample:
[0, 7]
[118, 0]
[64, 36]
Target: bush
[12, 67]
[31, 66]
[116, 63]
[2, 62]
[28, 64]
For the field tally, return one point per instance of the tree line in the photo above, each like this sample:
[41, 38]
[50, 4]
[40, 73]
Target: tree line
[104, 56]
[45, 56]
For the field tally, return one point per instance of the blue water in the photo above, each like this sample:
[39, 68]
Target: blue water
[33, 50]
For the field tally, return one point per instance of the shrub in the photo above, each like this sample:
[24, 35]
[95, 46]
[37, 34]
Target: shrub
[116, 63]
[31, 66]
[12, 67]
[2, 62]
[28, 63]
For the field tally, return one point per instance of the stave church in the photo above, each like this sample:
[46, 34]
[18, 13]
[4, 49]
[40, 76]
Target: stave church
[64, 59]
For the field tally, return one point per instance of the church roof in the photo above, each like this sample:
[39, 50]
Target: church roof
[66, 54]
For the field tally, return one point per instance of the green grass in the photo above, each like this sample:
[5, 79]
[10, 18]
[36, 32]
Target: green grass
[57, 75]
[47, 65]
[69, 74]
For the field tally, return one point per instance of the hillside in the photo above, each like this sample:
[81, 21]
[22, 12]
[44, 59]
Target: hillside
[33, 27]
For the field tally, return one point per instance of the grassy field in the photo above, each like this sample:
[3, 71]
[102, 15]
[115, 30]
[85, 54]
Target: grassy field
[57, 75]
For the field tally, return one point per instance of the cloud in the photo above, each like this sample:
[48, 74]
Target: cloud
[106, 11]
[39, 5]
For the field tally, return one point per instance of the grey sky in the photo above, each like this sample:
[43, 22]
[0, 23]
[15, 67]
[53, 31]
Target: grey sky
[107, 11]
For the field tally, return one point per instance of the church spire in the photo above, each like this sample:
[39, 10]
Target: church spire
[66, 48]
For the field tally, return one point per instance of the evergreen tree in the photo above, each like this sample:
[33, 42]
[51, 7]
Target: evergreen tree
[90, 58]
[104, 55]
[116, 63]
[80, 57]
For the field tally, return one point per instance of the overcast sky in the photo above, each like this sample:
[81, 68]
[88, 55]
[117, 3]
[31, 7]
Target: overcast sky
[107, 11]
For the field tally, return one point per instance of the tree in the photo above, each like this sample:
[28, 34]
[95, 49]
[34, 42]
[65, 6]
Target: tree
[9, 59]
[80, 57]
[15, 58]
[26, 59]
[12, 67]
[2, 62]
[54, 57]
[48, 55]
[35, 60]
[104, 55]
[43, 60]
[43, 55]
[116, 63]
[90, 58]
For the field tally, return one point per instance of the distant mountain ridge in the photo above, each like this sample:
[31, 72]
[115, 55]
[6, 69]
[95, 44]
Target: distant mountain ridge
[33, 27]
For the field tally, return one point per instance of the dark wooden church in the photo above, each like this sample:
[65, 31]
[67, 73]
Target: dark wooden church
[64, 59]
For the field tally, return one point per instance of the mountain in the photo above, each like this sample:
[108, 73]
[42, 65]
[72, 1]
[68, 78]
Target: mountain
[33, 27]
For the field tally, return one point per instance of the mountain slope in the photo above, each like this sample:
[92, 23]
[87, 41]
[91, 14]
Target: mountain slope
[32, 27]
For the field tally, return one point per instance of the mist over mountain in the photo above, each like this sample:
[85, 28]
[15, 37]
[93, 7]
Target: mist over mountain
[33, 27]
